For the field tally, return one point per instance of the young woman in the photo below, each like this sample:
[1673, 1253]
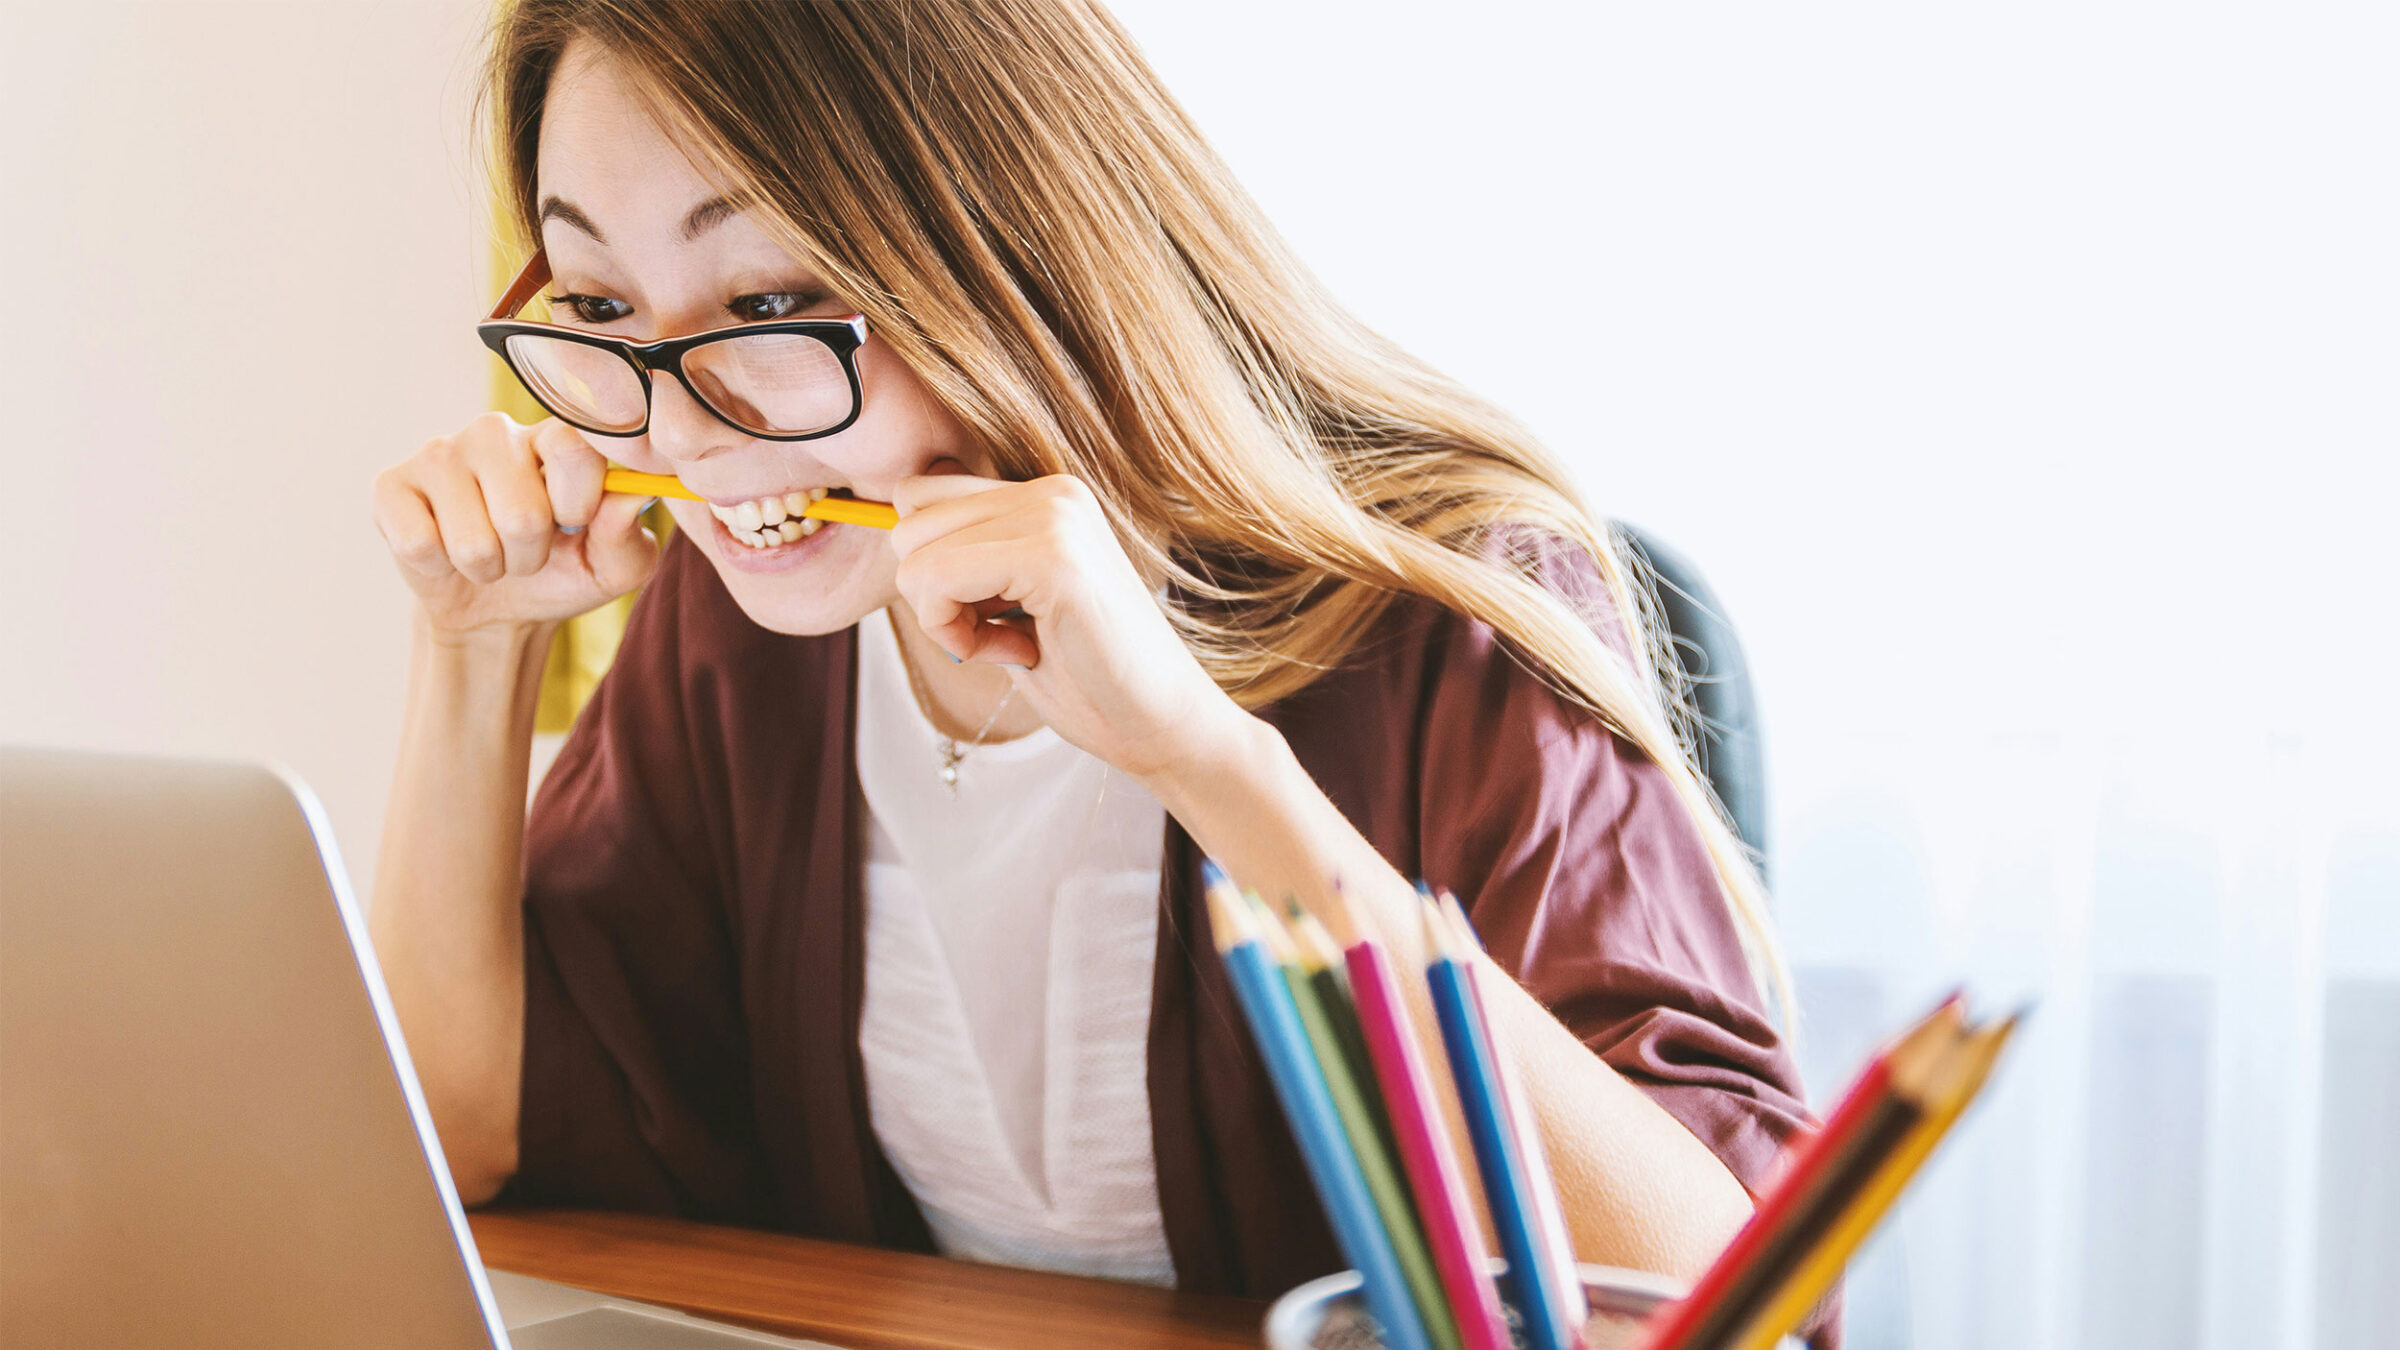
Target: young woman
[863, 900]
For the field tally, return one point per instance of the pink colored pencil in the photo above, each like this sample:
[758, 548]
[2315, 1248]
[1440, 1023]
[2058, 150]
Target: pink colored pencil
[1425, 1150]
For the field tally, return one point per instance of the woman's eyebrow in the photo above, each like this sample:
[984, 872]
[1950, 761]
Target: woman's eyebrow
[559, 209]
[704, 217]
[708, 215]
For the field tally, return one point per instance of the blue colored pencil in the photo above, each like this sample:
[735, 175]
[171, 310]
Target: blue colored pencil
[1507, 1181]
[1308, 1105]
[1549, 1216]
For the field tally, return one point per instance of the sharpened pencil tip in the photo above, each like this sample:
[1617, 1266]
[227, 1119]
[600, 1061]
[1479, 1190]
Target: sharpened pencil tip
[1317, 948]
[1213, 876]
[1438, 940]
[1226, 921]
[1456, 913]
[1268, 927]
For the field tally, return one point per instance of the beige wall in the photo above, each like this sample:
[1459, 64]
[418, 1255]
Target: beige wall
[186, 191]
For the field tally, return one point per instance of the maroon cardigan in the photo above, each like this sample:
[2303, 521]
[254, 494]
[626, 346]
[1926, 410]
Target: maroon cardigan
[694, 935]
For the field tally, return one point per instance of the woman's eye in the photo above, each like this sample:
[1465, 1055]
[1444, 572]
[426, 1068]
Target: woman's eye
[592, 308]
[772, 305]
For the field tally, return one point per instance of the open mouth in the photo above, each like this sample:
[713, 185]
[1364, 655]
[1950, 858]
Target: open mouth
[771, 522]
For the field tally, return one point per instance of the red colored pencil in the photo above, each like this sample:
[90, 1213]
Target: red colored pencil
[1810, 1168]
[1425, 1150]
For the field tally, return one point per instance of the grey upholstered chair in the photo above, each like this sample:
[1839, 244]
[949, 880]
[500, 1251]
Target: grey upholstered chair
[1731, 754]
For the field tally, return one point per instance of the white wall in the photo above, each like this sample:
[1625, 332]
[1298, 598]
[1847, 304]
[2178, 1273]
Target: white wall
[241, 273]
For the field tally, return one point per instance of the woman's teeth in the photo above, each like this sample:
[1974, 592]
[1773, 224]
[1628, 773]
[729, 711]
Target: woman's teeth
[769, 521]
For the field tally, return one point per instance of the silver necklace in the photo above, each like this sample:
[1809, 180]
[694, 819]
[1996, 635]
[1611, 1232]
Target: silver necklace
[945, 748]
[951, 752]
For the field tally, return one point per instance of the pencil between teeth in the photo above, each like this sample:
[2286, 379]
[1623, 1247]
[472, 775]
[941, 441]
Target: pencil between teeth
[840, 510]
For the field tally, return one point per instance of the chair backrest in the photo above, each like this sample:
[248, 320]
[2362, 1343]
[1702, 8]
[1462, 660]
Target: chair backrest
[1726, 740]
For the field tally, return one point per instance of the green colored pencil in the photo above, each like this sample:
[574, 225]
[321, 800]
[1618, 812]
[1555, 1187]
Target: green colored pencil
[1370, 1140]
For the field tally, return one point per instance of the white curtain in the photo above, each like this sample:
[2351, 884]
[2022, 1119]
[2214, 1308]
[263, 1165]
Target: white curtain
[2026, 379]
[2195, 1142]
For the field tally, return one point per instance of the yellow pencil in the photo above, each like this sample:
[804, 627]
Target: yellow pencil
[1971, 1063]
[840, 510]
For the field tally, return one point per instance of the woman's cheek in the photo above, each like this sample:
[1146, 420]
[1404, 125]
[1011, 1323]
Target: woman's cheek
[690, 518]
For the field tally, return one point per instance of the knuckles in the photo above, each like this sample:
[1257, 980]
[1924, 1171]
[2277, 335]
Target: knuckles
[521, 525]
[416, 547]
[482, 564]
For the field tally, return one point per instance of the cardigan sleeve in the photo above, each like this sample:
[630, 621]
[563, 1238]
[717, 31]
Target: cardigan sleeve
[635, 1068]
[1588, 880]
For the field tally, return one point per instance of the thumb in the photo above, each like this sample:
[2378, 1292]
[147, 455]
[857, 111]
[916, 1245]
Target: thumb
[619, 551]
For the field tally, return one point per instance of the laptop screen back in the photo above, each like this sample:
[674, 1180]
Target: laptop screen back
[206, 1138]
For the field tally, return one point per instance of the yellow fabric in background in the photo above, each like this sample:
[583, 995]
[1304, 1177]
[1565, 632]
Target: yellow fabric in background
[586, 644]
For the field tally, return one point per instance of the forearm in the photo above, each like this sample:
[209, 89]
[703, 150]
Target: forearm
[447, 913]
[1638, 1188]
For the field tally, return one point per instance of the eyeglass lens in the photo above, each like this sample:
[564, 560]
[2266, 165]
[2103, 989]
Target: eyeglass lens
[771, 384]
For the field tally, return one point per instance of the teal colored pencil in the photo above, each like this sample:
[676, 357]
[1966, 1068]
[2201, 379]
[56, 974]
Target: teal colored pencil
[1323, 1002]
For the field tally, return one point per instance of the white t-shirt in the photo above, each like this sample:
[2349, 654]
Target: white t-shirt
[1010, 938]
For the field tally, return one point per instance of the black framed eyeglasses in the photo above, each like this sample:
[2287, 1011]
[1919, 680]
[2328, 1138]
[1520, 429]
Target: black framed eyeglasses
[778, 380]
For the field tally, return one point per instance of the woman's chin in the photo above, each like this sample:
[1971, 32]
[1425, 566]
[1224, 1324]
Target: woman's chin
[821, 583]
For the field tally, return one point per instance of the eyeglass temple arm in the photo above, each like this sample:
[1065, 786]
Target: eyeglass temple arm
[535, 276]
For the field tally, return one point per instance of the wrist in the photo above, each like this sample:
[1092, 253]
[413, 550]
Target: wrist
[1247, 801]
[1232, 756]
[479, 681]
[509, 645]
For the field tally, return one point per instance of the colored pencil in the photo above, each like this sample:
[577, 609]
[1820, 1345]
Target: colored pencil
[1961, 1077]
[1516, 1106]
[841, 510]
[1266, 1001]
[1320, 960]
[1869, 1120]
[1507, 1187]
[1434, 1174]
[1324, 1005]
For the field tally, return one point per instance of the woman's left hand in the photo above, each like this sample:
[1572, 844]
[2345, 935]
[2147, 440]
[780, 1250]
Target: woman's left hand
[1099, 660]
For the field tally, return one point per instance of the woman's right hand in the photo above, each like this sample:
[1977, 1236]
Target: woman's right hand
[478, 522]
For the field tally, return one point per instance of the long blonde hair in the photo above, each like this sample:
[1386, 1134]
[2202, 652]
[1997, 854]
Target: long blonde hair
[1033, 224]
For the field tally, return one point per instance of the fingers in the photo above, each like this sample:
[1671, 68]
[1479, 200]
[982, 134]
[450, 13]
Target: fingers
[971, 549]
[572, 470]
[944, 506]
[469, 543]
[957, 591]
[475, 504]
[973, 636]
[1006, 642]
[947, 480]
[619, 551]
[515, 499]
[405, 520]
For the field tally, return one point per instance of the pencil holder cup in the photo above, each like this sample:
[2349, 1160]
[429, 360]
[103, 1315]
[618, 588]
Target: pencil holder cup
[1328, 1314]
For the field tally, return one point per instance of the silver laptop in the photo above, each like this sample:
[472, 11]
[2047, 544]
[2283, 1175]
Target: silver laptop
[210, 1134]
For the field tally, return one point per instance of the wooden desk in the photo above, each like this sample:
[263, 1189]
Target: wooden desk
[855, 1297]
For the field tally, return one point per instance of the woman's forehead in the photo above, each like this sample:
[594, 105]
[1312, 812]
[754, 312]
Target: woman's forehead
[624, 177]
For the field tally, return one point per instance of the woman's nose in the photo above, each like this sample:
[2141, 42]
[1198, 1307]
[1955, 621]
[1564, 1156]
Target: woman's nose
[680, 428]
